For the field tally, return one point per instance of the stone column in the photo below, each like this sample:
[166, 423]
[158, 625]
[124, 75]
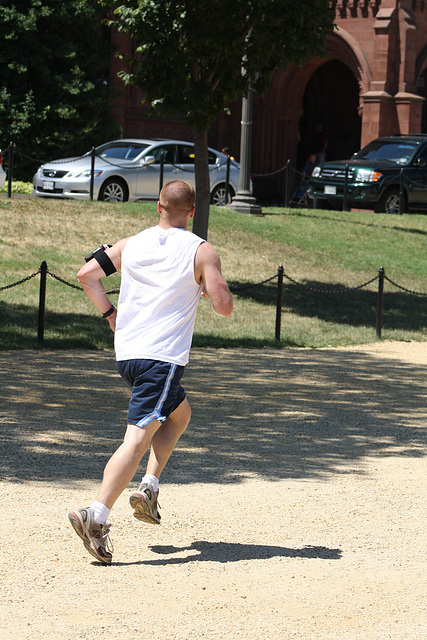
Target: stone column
[409, 105]
[409, 108]
[244, 201]
[379, 113]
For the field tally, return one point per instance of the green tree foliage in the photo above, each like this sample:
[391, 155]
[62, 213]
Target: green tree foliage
[189, 54]
[54, 64]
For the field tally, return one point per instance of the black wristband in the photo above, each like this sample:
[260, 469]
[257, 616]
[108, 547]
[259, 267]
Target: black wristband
[109, 312]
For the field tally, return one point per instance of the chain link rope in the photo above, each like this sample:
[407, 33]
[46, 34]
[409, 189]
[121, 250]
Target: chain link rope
[236, 289]
[272, 173]
[251, 286]
[75, 286]
[15, 284]
[340, 290]
[415, 293]
[113, 164]
[69, 284]
[175, 166]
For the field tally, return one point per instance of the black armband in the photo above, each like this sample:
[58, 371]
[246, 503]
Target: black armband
[102, 259]
[109, 312]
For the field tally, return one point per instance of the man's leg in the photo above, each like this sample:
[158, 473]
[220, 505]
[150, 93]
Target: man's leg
[90, 523]
[166, 437]
[123, 464]
[144, 500]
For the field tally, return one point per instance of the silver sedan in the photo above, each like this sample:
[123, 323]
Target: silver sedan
[2, 174]
[129, 170]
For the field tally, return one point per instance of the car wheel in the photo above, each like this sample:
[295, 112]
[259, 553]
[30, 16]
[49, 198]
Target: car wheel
[390, 202]
[114, 190]
[218, 195]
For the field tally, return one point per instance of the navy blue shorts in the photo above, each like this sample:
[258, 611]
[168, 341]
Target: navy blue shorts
[156, 389]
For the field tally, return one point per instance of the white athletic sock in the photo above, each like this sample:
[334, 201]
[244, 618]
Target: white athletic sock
[152, 480]
[100, 512]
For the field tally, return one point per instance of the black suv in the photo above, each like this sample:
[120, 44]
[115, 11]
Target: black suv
[374, 177]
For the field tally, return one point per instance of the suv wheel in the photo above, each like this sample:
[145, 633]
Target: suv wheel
[114, 190]
[390, 202]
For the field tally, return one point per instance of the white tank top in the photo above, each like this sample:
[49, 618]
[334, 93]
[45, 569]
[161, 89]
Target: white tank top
[158, 296]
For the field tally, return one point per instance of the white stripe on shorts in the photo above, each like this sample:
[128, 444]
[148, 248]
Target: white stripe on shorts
[156, 414]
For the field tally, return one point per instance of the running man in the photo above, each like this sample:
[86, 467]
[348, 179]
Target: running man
[164, 271]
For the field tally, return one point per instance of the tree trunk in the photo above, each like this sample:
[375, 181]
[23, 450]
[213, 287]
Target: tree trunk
[203, 194]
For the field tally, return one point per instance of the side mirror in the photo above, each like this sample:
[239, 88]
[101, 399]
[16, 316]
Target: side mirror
[420, 162]
[147, 161]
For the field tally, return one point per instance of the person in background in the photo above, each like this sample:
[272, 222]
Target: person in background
[311, 162]
[320, 144]
[226, 152]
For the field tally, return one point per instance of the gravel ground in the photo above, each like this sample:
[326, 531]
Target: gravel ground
[293, 507]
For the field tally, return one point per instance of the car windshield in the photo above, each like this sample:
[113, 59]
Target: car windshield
[121, 150]
[394, 151]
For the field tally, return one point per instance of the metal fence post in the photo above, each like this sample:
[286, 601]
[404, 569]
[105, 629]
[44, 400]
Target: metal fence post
[92, 172]
[162, 169]
[345, 198]
[10, 171]
[380, 301]
[401, 193]
[279, 301]
[42, 301]
[227, 181]
[287, 182]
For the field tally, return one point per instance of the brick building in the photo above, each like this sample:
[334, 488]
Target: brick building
[370, 83]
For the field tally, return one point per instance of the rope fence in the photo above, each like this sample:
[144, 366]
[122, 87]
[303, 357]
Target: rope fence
[280, 275]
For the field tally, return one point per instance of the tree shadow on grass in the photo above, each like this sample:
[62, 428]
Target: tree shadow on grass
[346, 219]
[291, 414]
[19, 329]
[326, 302]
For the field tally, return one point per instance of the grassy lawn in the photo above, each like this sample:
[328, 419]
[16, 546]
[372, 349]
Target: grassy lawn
[320, 250]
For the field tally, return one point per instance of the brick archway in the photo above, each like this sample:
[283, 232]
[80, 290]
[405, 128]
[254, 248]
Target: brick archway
[321, 90]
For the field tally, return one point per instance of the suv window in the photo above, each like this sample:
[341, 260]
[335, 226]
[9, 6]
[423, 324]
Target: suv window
[423, 154]
[399, 152]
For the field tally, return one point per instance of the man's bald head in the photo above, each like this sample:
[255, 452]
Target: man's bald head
[176, 200]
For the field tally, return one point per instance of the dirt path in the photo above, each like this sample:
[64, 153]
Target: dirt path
[293, 508]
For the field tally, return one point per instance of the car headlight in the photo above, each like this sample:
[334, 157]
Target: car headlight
[86, 174]
[316, 172]
[83, 174]
[366, 175]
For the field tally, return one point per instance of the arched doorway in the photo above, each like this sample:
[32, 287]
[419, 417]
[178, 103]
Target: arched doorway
[331, 97]
[421, 91]
[285, 117]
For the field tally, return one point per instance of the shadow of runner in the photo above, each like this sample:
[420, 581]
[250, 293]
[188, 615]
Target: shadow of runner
[233, 552]
[278, 414]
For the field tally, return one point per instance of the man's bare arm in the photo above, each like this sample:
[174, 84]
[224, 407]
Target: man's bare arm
[208, 270]
[90, 276]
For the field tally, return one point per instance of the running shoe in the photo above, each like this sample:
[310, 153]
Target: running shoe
[145, 505]
[95, 535]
